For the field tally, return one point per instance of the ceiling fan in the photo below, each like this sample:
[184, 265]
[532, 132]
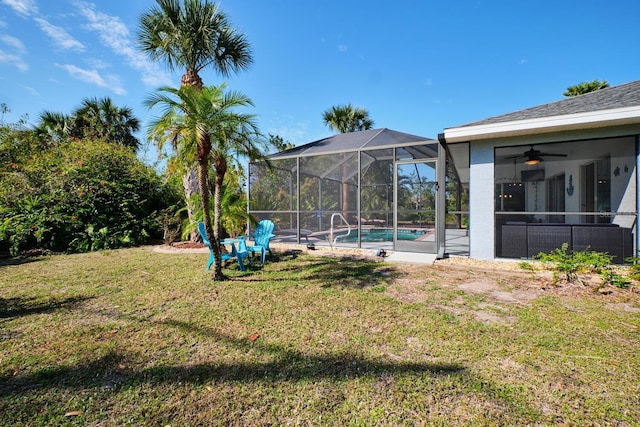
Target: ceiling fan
[533, 156]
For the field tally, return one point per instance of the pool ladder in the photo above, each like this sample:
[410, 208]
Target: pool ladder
[332, 238]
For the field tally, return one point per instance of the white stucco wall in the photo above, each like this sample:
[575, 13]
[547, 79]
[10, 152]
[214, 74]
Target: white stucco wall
[481, 204]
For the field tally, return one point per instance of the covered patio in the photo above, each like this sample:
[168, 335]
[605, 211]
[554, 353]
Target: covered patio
[374, 189]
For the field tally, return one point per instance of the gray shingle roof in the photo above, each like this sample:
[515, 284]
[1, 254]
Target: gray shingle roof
[354, 141]
[625, 95]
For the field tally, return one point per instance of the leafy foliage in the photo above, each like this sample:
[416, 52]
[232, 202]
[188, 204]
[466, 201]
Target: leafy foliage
[585, 87]
[610, 277]
[570, 264]
[79, 196]
[94, 119]
[202, 124]
[193, 35]
[347, 118]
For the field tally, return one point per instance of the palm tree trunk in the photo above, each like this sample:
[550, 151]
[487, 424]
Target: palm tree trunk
[189, 180]
[190, 185]
[220, 166]
[203, 181]
[191, 78]
[204, 150]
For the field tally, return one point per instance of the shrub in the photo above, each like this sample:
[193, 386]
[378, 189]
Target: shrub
[81, 196]
[610, 277]
[635, 267]
[570, 264]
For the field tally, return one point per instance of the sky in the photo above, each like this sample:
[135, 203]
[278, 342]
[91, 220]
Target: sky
[417, 66]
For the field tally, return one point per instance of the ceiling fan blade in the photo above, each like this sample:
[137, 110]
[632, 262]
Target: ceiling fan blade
[552, 155]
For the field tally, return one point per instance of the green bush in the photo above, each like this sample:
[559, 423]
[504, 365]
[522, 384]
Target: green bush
[80, 196]
[635, 267]
[610, 277]
[570, 264]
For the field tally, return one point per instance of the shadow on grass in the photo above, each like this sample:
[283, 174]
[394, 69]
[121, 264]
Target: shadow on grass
[18, 307]
[326, 272]
[110, 372]
[346, 272]
[4, 262]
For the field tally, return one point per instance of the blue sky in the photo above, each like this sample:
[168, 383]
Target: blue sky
[417, 66]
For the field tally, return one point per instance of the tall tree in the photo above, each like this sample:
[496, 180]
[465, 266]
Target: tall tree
[94, 119]
[344, 119]
[585, 87]
[202, 124]
[192, 35]
[277, 142]
[347, 118]
[52, 127]
[102, 119]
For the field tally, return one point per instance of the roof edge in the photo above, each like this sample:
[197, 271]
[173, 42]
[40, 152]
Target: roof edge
[600, 118]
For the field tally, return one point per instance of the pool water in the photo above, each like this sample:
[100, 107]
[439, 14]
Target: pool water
[380, 235]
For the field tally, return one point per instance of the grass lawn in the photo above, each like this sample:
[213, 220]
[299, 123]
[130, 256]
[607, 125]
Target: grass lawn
[134, 337]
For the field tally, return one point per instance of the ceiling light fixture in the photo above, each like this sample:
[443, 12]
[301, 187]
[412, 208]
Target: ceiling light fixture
[533, 160]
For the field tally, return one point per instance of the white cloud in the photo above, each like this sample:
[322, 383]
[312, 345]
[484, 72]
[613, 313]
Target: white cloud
[99, 64]
[297, 133]
[13, 59]
[60, 36]
[31, 90]
[343, 48]
[12, 42]
[94, 77]
[115, 35]
[16, 56]
[22, 7]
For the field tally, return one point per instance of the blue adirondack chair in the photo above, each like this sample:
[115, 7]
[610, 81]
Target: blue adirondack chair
[261, 236]
[238, 254]
[242, 250]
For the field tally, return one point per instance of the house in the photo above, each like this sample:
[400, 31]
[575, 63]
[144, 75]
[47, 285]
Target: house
[509, 186]
[563, 172]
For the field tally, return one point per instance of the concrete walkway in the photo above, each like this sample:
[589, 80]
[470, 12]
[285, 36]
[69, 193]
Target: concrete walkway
[411, 258]
[393, 256]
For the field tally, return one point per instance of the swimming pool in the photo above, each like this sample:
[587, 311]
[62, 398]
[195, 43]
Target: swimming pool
[379, 235]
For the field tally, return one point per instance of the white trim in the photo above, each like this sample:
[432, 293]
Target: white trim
[601, 118]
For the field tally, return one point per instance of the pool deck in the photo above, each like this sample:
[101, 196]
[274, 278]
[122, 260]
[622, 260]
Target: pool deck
[456, 241]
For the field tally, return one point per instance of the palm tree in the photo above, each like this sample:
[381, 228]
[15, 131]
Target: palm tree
[347, 118]
[585, 87]
[52, 126]
[201, 124]
[193, 36]
[344, 119]
[102, 119]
